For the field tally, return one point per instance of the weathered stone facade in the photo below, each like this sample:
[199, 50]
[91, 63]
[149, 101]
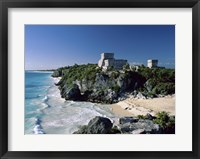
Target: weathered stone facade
[108, 60]
[152, 63]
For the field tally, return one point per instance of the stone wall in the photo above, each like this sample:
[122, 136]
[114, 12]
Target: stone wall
[108, 60]
[107, 56]
[152, 63]
[118, 64]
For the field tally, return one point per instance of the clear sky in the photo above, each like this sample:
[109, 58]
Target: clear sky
[53, 46]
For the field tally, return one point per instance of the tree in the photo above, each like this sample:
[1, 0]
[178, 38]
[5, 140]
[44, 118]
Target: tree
[126, 66]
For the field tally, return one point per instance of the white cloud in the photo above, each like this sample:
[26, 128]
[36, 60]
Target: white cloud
[136, 63]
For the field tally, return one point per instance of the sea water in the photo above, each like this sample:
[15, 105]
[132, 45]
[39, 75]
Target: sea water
[47, 113]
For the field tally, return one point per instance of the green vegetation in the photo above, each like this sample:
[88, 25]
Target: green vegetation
[116, 88]
[111, 68]
[88, 82]
[162, 119]
[126, 67]
[166, 122]
[115, 130]
[147, 116]
[108, 85]
[141, 117]
[115, 74]
[80, 72]
[159, 80]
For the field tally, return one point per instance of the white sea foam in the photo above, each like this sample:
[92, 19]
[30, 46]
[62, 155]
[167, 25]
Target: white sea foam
[45, 99]
[55, 115]
[35, 124]
[65, 117]
[34, 71]
[38, 129]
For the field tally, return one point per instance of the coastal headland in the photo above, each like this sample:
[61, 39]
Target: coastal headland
[143, 98]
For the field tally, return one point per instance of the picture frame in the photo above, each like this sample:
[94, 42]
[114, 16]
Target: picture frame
[4, 93]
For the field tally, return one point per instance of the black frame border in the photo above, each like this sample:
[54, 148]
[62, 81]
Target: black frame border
[6, 4]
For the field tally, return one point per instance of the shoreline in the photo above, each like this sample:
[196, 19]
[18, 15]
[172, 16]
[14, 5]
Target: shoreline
[60, 116]
[38, 71]
[134, 106]
[67, 116]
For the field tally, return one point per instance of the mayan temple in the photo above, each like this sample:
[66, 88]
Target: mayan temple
[108, 60]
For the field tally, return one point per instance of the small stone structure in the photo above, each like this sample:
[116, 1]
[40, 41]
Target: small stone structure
[152, 63]
[108, 60]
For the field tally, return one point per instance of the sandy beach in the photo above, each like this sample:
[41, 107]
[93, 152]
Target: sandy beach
[134, 107]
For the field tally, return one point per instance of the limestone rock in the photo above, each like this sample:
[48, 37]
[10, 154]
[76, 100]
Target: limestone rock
[147, 127]
[72, 93]
[98, 125]
[140, 96]
[124, 120]
[148, 85]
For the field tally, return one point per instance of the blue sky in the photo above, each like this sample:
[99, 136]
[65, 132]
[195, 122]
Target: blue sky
[53, 46]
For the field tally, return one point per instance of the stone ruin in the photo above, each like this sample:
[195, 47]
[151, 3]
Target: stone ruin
[152, 63]
[107, 60]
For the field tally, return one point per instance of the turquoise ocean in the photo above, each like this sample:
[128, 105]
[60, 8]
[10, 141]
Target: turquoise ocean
[47, 113]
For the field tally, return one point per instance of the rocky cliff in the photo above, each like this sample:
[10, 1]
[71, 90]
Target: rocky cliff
[90, 83]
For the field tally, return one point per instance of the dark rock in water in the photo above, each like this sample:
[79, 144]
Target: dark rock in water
[56, 84]
[141, 127]
[98, 125]
[72, 93]
[59, 83]
[37, 121]
[124, 120]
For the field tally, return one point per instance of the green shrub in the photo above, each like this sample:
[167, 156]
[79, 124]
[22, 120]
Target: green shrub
[126, 66]
[114, 74]
[151, 94]
[116, 88]
[110, 68]
[162, 119]
[141, 117]
[166, 122]
[115, 130]
[161, 80]
[164, 88]
[80, 72]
